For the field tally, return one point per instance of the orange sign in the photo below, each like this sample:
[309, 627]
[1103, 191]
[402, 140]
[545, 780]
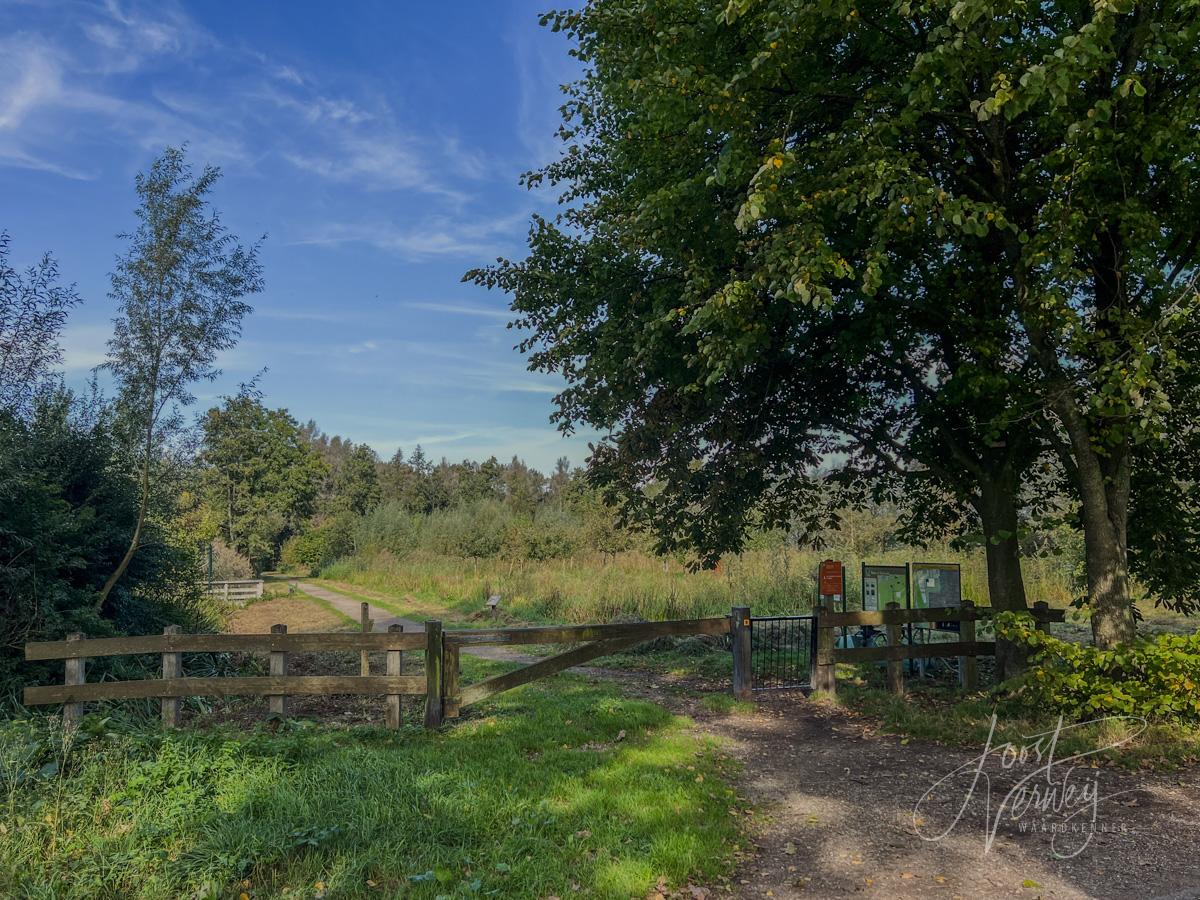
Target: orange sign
[830, 578]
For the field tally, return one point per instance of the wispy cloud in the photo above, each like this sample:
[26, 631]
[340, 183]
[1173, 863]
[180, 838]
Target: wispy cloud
[460, 309]
[438, 236]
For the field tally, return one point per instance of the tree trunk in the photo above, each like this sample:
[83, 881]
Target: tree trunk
[997, 508]
[1107, 563]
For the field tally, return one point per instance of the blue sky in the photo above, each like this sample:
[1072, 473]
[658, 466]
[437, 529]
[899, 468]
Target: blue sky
[377, 144]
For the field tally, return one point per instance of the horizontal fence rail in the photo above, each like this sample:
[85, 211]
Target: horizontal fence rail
[234, 590]
[574, 634]
[223, 643]
[897, 650]
[258, 686]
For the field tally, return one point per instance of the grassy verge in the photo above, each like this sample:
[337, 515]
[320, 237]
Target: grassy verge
[559, 787]
[944, 715]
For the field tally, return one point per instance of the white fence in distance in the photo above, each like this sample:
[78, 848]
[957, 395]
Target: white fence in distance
[234, 591]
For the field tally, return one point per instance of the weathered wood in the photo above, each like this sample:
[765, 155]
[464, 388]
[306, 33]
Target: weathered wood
[473, 693]
[825, 670]
[364, 663]
[75, 674]
[395, 668]
[279, 702]
[452, 698]
[968, 666]
[919, 651]
[743, 631]
[257, 686]
[220, 643]
[1041, 613]
[895, 667]
[577, 634]
[433, 674]
[172, 667]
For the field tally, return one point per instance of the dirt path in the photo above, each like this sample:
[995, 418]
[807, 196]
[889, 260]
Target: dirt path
[831, 808]
[382, 619]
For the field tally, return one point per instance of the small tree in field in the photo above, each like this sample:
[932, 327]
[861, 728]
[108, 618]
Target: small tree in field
[180, 289]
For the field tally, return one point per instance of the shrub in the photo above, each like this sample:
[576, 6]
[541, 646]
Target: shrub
[318, 546]
[1157, 678]
[389, 526]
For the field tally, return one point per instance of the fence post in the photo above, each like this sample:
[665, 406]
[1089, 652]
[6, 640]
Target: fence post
[395, 666]
[433, 674]
[743, 632]
[968, 666]
[895, 667]
[452, 679]
[1041, 620]
[825, 672]
[364, 664]
[279, 702]
[172, 667]
[74, 672]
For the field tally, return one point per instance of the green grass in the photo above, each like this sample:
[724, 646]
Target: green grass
[556, 787]
[943, 714]
[726, 704]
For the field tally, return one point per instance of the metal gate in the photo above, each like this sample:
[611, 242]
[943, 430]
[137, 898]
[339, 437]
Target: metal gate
[781, 651]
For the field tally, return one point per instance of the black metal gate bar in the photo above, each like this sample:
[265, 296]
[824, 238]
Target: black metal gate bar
[781, 651]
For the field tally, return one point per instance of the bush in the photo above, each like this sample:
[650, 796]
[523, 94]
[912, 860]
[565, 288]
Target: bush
[1158, 679]
[319, 546]
[228, 564]
[389, 526]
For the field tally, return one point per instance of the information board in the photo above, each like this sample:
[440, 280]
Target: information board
[830, 577]
[882, 585]
[936, 584]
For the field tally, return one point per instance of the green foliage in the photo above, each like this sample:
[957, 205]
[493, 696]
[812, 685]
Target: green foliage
[68, 504]
[258, 476]
[1158, 678]
[318, 545]
[180, 289]
[556, 784]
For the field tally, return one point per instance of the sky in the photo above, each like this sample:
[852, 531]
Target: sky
[378, 145]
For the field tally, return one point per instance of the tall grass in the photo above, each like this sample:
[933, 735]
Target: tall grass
[588, 586]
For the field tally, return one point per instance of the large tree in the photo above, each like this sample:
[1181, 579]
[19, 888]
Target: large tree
[260, 476]
[180, 289]
[944, 237]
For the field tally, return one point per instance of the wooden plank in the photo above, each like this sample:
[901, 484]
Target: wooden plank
[920, 651]
[433, 674]
[968, 666]
[825, 671]
[743, 632]
[279, 702]
[895, 667]
[452, 667]
[904, 616]
[577, 634]
[293, 685]
[395, 668]
[221, 643]
[75, 674]
[364, 616]
[481, 691]
[172, 667]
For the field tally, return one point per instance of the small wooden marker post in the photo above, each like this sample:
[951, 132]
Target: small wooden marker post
[433, 674]
[395, 666]
[743, 632]
[968, 666]
[825, 671]
[365, 622]
[172, 667]
[895, 667]
[1041, 617]
[73, 674]
[279, 702]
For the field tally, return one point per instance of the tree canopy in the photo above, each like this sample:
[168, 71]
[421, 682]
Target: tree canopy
[949, 240]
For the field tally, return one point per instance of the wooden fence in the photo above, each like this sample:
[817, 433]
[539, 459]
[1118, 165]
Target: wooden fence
[234, 590]
[967, 648]
[441, 683]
